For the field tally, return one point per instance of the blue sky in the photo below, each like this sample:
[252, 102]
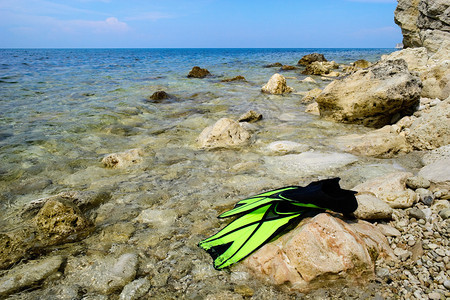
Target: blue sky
[198, 23]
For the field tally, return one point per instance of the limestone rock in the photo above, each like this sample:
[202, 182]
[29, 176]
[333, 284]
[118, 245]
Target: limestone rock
[372, 208]
[157, 218]
[286, 147]
[440, 153]
[416, 58]
[313, 108]
[122, 159]
[198, 72]
[309, 80]
[135, 289]
[237, 78]
[288, 68]
[224, 133]
[436, 80]
[159, 96]
[320, 68]
[311, 95]
[361, 63]
[371, 96]
[310, 58]
[391, 189]
[60, 221]
[102, 274]
[320, 251]
[432, 129]
[437, 173]
[277, 64]
[250, 116]
[15, 244]
[378, 143]
[405, 16]
[28, 274]
[416, 182]
[276, 85]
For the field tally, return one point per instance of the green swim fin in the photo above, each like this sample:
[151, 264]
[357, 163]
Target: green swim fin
[265, 216]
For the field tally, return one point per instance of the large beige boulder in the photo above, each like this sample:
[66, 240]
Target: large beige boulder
[224, 133]
[320, 251]
[276, 85]
[372, 96]
[432, 129]
[383, 142]
[416, 58]
[320, 68]
[390, 188]
[405, 16]
[310, 58]
[436, 80]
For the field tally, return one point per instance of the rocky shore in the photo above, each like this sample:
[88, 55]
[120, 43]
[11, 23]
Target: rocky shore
[77, 244]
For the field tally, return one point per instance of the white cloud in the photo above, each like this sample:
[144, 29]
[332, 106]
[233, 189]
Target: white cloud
[151, 16]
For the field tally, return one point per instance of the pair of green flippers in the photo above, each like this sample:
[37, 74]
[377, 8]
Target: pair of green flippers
[265, 216]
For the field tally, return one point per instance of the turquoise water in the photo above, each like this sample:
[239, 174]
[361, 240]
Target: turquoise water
[63, 110]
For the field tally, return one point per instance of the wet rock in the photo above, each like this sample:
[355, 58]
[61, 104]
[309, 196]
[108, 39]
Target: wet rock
[425, 196]
[237, 78]
[276, 85]
[308, 80]
[431, 129]
[159, 96]
[123, 159]
[320, 251]
[320, 68]
[416, 213]
[311, 95]
[28, 274]
[277, 64]
[15, 244]
[313, 108]
[288, 68]
[310, 58]
[198, 72]
[250, 116]
[437, 173]
[157, 218]
[60, 221]
[102, 274]
[285, 147]
[371, 96]
[372, 208]
[224, 295]
[416, 182]
[383, 142]
[391, 189]
[223, 134]
[361, 63]
[135, 289]
[307, 163]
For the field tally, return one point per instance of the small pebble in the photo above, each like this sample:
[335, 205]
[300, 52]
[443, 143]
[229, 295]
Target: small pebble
[445, 213]
[416, 182]
[425, 196]
[447, 284]
[434, 296]
[416, 213]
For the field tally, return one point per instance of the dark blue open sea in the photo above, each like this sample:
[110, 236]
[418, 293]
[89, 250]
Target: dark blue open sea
[63, 110]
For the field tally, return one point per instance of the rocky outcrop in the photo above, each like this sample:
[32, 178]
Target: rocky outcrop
[320, 68]
[250, 116]
[311, 95]
[423, 22]
[288, 68]
[276, 85]
[224, 133]
[384, 142]
[372, 96]
[319, 252]
[310, 58]
[277, 64]
[158, 96]
[362, 64]
[198, 72]
[391, 189]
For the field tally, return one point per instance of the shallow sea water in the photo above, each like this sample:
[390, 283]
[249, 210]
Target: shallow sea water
[63, 110]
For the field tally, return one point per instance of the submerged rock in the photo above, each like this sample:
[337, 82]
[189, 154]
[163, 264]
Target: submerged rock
[391, 189]
[28, 274]
[277, 64]
[285, 147]
[371, 96]
[250, 116]
[311, 95]
[224, 133]
[288, 68]
[277, 85]
[310, 58]
[102, 274]
[159, 96]
[135, 289]
[320, 251]
[198, 72]
[122, 159]
[313, 108]
[237, 78]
